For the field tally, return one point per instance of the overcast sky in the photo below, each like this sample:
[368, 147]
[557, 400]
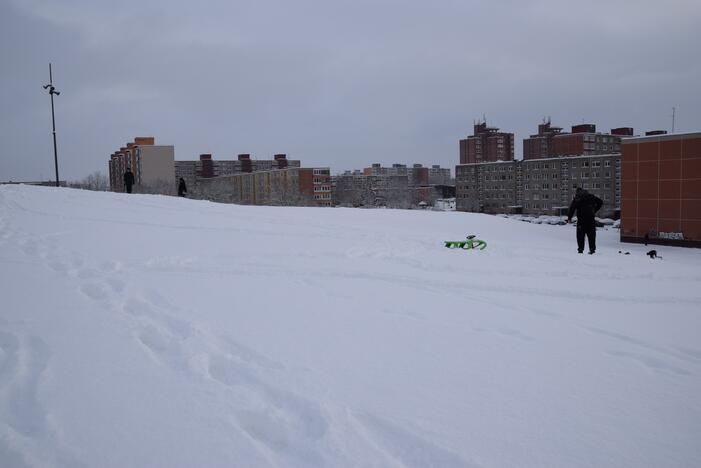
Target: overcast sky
[333, 83]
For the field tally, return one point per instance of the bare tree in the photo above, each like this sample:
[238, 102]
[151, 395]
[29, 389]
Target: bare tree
[96, 181]
[156, 187]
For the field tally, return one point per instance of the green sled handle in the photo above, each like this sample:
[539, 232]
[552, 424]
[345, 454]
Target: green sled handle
[467, 244]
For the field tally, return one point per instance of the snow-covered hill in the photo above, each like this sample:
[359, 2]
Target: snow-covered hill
[148, 331]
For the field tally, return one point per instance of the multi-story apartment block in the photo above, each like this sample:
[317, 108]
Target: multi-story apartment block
[487, 187]
[538, 186]
[321, 185]
[417, 174]
[292, 186]
[552, 142]
[548, 185]
[438, 175]
[661, 189]
[554, 165]
[487, 144]
[151, 164]
[358, 189]
[398, 186]
[207, 167]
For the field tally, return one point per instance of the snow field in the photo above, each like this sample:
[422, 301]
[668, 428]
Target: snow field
[155, 331]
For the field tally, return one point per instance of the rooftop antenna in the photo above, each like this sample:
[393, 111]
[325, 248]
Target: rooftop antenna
[673, 112]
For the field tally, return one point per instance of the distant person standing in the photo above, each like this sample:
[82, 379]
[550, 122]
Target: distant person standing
[182, 188]
[128, 179]
[585, 205]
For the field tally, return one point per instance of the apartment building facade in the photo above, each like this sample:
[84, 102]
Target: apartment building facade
[486, 144]
[152, 165]
[548, 185]
[537, 186]
[292, 186]
[552, 142]
[358, 189]
[207, 167]
[661, 189]
[397, 186]
[555, 163]
[490, 187]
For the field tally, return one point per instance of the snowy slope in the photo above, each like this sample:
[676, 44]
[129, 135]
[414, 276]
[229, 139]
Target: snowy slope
[149, 331]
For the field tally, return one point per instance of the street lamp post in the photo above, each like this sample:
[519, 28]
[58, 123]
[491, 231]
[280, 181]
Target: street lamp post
[53, 91]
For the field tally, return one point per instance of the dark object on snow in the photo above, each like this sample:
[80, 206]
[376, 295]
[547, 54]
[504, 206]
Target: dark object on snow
[585, 205]
[653, 254]
[469, 243]
[627, 253]
[128, 179]
[182, 188]
[646, 239]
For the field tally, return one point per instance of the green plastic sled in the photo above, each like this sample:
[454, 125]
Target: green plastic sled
[467, 244]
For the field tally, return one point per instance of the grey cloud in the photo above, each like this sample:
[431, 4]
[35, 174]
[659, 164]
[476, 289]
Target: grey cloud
[339, 83]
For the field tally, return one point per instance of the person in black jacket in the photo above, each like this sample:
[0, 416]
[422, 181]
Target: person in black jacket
[128, 179]
[182, 188]
[585, 205]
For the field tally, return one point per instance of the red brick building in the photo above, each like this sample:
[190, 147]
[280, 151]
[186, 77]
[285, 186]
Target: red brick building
[661, 189]
[487, 144]
[552, 142]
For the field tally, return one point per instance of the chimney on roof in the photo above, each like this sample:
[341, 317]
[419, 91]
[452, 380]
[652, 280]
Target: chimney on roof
[584, 128]
[281, 159]
[622, 131]
[246, 163]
